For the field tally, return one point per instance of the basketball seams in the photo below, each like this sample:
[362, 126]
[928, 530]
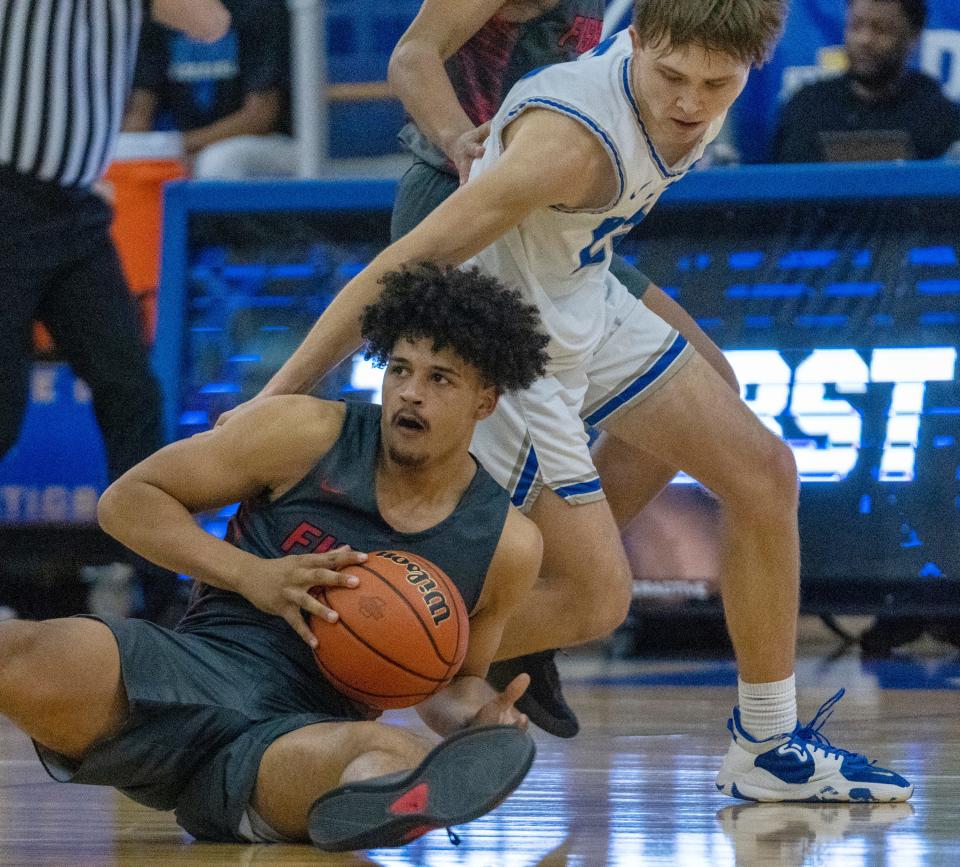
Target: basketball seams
[358, 642]
[384, 657]
[454, 594]
[416, 613]
[352, 691]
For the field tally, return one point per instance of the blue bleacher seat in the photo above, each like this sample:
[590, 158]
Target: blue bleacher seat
[360, 37]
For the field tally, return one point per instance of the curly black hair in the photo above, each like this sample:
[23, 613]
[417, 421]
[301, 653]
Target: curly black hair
[486, 324]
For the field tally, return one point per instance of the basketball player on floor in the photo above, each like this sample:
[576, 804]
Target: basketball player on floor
[451, 69]
[578, 154]
[227, 719]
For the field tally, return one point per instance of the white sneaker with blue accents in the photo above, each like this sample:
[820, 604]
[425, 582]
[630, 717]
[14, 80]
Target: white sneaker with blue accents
[803, 766]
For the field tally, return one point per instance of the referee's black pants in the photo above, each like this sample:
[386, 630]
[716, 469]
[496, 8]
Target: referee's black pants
[58, 265]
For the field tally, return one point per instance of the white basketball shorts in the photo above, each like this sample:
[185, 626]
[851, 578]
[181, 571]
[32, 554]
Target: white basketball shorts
[540, 436]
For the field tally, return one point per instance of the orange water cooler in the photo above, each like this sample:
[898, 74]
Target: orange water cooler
[142, 164]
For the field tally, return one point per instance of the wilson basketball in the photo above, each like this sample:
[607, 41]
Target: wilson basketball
[401, 634]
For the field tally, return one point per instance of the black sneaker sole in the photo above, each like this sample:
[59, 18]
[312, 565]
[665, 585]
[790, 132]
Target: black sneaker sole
[461, 779]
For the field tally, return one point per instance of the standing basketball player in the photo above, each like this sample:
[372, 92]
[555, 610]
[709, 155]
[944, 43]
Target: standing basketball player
[577, 155]
[451, 69]
[65, 70]
[228, 719]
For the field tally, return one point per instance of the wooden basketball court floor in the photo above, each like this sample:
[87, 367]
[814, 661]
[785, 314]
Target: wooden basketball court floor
[634, 788]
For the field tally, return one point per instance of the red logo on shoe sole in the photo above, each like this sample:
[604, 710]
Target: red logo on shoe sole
[414, 801]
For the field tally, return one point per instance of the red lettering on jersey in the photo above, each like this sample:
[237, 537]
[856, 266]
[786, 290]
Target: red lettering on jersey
[325, 544]
[308, 536]
[586, 31]
[305, 534]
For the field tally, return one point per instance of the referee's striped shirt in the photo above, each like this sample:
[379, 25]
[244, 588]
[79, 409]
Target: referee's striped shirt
[65, 70]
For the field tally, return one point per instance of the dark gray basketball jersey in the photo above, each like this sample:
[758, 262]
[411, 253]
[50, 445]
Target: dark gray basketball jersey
[335, 504]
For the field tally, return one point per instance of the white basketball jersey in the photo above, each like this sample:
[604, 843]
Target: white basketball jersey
[559, 258]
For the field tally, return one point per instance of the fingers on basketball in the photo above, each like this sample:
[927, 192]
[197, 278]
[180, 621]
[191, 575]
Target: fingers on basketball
[314, 602]
[401, 634]
[345, 556]
[299, 625]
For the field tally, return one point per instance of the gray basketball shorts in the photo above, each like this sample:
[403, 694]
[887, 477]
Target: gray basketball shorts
[202, 712]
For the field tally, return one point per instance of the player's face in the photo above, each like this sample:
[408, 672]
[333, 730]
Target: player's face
[431, 402]
[878, 38]
[682, 91]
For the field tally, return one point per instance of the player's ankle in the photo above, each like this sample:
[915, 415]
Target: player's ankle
[767, 709]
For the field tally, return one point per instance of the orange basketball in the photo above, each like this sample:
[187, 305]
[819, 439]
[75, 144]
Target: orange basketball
[401, 634]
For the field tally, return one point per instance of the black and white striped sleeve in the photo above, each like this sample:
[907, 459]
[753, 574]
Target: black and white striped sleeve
[65, 70]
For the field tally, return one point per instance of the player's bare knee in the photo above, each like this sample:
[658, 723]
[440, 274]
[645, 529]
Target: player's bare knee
[613, 613]
[781, 478]
[767, 487]
[407, 748]
[603, 622]
[606, 608]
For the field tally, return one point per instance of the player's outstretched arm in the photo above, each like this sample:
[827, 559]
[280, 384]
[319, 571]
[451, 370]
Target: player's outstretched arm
[419, 79]
[550, 160]
[470, 700]
[260, 452]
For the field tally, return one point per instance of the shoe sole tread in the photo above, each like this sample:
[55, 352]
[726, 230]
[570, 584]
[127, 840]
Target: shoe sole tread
[495, 759]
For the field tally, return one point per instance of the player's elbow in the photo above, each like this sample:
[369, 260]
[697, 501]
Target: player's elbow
[108, 508]
[116, 506]
[409, 63]
[395, 67]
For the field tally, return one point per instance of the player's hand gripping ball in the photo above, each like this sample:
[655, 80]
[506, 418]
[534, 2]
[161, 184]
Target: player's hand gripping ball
[401, 634]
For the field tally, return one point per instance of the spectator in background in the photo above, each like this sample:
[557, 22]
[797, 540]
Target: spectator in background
[57, 261]
[903, 111]
[229, 98]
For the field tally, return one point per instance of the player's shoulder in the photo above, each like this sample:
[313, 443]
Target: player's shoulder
[293, 417]
[524, 528]
[582, 81]
[572, 104]
[558, 131]
[304, 406]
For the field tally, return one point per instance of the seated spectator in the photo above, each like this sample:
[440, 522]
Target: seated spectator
[228, 98]
[878, 109]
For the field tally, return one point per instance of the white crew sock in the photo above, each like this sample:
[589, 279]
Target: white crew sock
[768, 709]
